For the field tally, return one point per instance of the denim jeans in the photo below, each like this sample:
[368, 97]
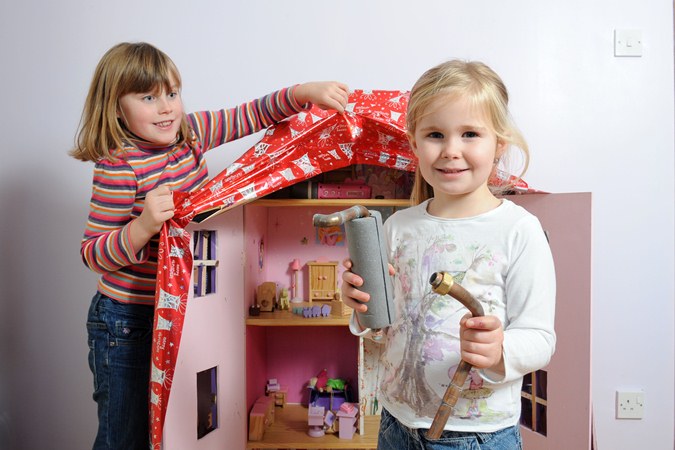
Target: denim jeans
[120, 344]
[396, 436]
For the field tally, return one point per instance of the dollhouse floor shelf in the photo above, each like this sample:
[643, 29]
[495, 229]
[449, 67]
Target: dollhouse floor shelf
[286, 318]
[289, 431]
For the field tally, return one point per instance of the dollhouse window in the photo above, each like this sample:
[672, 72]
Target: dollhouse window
[204, 265]
[207, 407]
[533, 401]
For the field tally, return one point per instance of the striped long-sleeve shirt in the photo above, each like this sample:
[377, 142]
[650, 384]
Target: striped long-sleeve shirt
[120, 186]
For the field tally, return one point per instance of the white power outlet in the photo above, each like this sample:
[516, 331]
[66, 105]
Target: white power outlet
[630, 405]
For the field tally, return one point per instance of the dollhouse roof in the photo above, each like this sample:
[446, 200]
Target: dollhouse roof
[370, 131]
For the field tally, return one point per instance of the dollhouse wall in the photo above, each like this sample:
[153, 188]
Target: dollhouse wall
[213, 336]
[567, 220]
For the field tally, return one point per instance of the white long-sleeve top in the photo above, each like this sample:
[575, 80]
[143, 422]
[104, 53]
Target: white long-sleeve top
[503, 259]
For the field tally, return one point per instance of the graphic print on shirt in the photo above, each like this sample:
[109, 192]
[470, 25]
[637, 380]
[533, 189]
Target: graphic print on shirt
[424, 350]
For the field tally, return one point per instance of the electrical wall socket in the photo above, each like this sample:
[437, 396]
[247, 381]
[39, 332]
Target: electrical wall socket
[630, 405]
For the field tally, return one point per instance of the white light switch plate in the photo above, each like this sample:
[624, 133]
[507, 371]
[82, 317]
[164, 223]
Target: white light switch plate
[627, 43]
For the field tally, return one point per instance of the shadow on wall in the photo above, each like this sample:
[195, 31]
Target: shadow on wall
[46, 292]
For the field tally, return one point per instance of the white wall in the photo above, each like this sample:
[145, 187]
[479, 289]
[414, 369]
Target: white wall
[595, 123]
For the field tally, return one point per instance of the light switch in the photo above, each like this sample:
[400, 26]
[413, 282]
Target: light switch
[627, 43]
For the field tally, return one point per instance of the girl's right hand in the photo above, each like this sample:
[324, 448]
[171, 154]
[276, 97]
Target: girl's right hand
[158, 209]
[324, 94]
[351, 296]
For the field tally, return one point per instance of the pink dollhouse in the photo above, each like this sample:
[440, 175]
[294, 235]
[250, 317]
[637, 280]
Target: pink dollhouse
[260, 241]
[218, 332]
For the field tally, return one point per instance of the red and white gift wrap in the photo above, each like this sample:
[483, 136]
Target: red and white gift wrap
[371, 131]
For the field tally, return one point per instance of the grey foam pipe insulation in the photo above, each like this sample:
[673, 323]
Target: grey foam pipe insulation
[367, 250]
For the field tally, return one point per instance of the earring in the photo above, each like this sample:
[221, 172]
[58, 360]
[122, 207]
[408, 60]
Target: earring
[496, 161]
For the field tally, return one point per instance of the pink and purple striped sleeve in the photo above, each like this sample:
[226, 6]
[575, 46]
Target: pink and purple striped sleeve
[106, 246]
[215, 128]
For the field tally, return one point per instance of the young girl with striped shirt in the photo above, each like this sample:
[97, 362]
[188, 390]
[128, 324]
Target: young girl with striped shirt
[145, 146]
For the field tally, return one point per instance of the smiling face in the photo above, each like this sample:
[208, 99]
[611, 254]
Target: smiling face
[153, 116]
[456, 148]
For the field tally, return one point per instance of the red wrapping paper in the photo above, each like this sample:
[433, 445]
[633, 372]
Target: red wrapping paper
[371, 131]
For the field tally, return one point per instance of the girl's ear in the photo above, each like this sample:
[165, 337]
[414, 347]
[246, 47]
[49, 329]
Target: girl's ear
[120, 114]
[502, 145]
[412, 142]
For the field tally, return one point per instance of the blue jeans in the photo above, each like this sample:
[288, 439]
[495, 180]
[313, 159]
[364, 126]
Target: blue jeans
[120, 344]
[396, 436]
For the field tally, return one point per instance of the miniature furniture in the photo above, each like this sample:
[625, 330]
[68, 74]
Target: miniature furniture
[277, 393]
[295, 267]
[315, 420]
[331, 400]
[267, 296]
[272, 385]
[338, 306]
[322, 280]
[260, 418]
[347, 420]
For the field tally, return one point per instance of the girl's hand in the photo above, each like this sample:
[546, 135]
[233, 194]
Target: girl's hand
[324, 94]
[481, 342]
[158, 209]
[351, 296]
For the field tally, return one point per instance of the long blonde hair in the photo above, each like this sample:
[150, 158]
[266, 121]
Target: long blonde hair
[125, 68]
[484, 89]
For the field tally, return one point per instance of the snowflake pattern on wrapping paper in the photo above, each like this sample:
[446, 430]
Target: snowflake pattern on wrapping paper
[176, 232]
[287, 174]
[304, 164]
[325, 137]
[163, 324]
[176, 252]
[167, 300]
[347, 149]
[216, 188]
[260, 149]
[159, 376]
[154, 398]
[384, 139]
[402, 163]
[232, 168]
[248, 192]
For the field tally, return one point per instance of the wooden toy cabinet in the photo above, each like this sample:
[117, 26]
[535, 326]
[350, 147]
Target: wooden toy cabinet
[258, 242]
[322, 280]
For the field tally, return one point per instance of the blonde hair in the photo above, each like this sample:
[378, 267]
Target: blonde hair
[125, 68]
[485, 90]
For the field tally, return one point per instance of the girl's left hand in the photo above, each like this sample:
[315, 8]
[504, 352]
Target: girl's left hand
[481, 341]
[324, 94]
